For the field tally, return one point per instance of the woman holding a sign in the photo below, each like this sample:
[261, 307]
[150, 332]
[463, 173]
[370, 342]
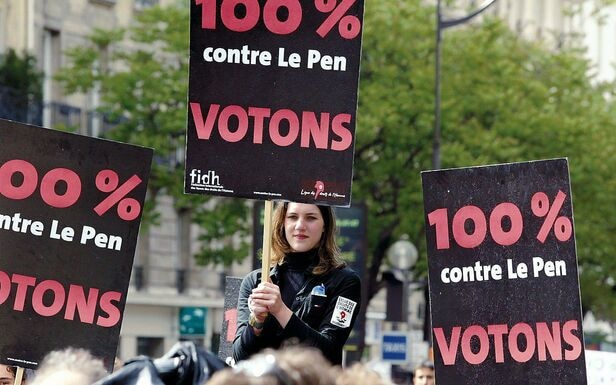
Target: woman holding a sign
[309, 297]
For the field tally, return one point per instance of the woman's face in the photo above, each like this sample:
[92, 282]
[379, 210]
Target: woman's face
[6, 377]
[303, 226]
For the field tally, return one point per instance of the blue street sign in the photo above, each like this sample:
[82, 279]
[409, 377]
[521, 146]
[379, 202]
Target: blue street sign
[395, 347]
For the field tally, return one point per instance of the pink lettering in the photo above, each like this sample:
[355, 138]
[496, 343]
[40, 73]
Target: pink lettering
[346, 138]
[484, 345]
[498, 331]
[112, 311]
[514, 348]
[523, 340]
[283, 126]
[242, 124]
[5, 287]
[58, 298]
[259, 114]
[312, 128]
[572, 340]
[204, 129]
[550, 341]
[448, 351]
[293, 124]
[77, 301]
[49, 297]
[23, 282]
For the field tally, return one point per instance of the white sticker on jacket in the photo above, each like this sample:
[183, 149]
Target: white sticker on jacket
[343, 313]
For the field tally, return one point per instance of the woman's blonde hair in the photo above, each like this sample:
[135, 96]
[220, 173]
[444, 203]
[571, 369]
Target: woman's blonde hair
[327, 249]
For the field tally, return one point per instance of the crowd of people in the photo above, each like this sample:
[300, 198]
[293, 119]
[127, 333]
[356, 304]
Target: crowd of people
[307, 366]
[294, 365]
[68, 366]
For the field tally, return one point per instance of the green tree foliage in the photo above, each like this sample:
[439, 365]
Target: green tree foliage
[142, 76]
[20, 73]
[21, 86]
[394, 131]
[504, 99]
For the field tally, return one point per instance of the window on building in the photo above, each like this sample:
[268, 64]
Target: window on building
[98, 124]
[143, 4]
[104, 2]
[150, 346]
[3, 27]
[184, 243]
[215, 342]
[52, 59]
[540, 20]
[520, 18]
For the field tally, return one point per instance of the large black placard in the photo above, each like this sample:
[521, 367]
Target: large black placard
[70, 208]
[273, 98]
[503, 275]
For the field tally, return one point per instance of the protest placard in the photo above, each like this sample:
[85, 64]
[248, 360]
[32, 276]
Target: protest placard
[504, 289]
[70, 208]
[229, 325]
[273, 99]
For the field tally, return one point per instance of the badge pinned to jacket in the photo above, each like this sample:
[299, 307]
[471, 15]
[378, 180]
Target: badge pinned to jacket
[319, 290]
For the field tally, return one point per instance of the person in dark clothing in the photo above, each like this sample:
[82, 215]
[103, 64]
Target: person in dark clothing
[311, 296]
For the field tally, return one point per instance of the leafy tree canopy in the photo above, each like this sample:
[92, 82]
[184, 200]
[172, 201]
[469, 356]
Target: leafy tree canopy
[141, 74]
[20, 74]
[504, 99]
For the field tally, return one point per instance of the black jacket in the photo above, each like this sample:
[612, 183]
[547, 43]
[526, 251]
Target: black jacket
[323, 322]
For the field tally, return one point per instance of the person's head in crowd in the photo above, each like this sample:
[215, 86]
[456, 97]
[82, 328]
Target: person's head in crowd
[424, 373]
[8, 374]
[360, 374]
[289, 366]
[69, 367]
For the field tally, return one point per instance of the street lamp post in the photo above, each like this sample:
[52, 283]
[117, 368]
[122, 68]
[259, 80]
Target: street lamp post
[442, 24]
[403, 256]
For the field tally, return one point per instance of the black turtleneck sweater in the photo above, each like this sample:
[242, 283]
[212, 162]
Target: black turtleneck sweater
[295, 276]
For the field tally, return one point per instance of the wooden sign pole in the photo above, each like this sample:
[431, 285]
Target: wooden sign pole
[267, 241]
[19, 375]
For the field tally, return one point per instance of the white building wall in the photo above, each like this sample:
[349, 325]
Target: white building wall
[600, 39]
[555, 21]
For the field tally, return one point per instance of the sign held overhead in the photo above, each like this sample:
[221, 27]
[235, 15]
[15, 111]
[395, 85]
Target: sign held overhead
[273, 99]
[504, 289]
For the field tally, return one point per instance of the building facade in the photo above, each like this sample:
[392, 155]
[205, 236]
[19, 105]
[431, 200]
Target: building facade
[583, 23]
